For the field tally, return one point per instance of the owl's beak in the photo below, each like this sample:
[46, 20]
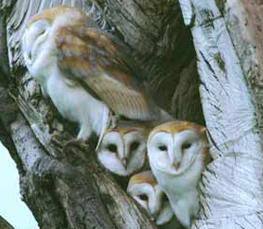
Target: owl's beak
[124, 162]
[155, 214]
[176, 164]
[174, 157]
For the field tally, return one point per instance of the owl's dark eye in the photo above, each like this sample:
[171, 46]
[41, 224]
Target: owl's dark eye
[143, 197]
[112, 148]
[186, 145]
[134, 146]
[162, 148]
[41, 33]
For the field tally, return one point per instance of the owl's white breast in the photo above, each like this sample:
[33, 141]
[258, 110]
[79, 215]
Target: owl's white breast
[181, 190]
[166, 214]
[72, 101]
[179, 184]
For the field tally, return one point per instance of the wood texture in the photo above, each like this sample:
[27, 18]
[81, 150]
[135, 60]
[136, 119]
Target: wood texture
[162, 45]
[49, 179]
[227, 39]
[188, 90]
[153, 29]
[4, 224]
[76, 192]
[227, 62]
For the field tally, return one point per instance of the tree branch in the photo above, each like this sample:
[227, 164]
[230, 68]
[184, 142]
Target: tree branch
[4, 224]
[64, 184]
[68, 184]
[232, 185]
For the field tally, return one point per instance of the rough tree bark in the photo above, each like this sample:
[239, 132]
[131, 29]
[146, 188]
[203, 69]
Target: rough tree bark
[69, 189]
[228, 42]
[4, 224]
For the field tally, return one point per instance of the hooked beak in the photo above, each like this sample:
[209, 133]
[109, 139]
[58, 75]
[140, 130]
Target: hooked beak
[175, 156]
[176, 164]
[124, 162]
[155, 214]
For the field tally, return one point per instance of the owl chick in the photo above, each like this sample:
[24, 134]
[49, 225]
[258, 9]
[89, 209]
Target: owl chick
[178, 152]
[144, 188]
[85, 71]
[123, 149]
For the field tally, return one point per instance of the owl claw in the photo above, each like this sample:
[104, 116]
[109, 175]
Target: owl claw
[75, 143]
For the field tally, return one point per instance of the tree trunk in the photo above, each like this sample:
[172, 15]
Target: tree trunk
[228, 42]
[4, 224]
[69, 189]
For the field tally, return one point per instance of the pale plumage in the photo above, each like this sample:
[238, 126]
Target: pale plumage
[144, 188]
[85, 71]
[123, 150]
[178, 152]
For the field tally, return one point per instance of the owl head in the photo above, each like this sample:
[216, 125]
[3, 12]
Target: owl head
[123, 149]
[71, 16]
[178, 152]
[144, 189]
[44, 25]
[174, 146]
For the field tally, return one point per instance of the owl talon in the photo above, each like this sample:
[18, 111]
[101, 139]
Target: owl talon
[75, 143]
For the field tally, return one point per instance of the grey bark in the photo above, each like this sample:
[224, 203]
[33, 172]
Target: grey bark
[228, 42]
[62, 189]
[68, 189]
[4, 224]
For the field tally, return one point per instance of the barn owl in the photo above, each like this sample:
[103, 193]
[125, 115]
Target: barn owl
[123, 149]
[178, 152]
[144, 189]
[85, 71]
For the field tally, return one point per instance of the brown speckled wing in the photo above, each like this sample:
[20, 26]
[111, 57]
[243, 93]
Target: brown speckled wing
[100, 62]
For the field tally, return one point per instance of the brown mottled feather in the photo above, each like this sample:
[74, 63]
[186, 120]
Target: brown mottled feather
[101, 62]
[178, 126]
[143, 177]
[127, 129]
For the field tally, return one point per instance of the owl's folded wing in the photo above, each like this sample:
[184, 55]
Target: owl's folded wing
[98, 61]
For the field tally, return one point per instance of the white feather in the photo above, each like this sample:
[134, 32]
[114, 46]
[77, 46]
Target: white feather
[113, 160]
[72, 101]
[158, 207]
[180, 184]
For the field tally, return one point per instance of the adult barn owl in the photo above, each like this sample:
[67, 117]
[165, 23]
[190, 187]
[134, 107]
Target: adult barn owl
[85, 71]
[144, 188]
[123, 149]
[178, 152]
